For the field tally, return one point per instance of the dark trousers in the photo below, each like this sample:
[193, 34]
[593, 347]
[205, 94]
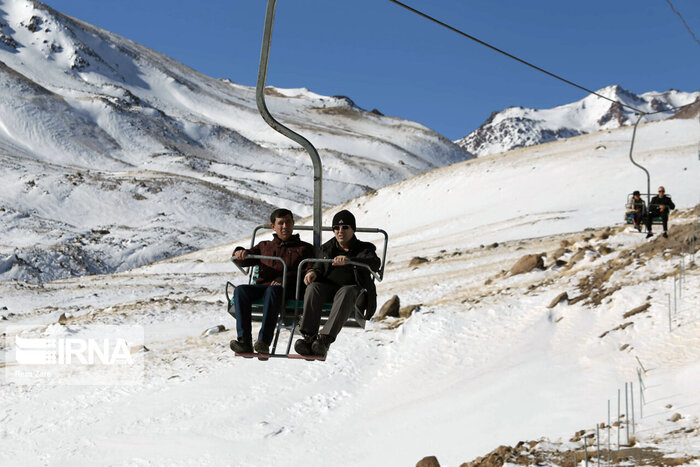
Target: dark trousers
[243, 298]
[664, 219]
[343, 306]
[637, 218]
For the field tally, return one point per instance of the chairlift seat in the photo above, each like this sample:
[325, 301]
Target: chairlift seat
[629, 215]
[289, 306]
[293, 308]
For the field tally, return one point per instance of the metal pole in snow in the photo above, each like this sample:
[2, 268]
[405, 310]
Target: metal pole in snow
[632, 401]
[585, 448]
[627, 417]
[618, 420]
[669, 311]
[675, 295]
[641, 403]
[608, 431]
[640, 364]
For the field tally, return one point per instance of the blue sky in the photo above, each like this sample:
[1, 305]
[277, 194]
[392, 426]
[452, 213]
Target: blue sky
[385, 57]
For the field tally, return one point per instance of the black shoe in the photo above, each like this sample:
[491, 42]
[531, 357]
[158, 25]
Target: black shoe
[241, 346]
[303, 346]
[320, 345]
[261, 347]
[649, 234]
[638, 227]
[665, 235]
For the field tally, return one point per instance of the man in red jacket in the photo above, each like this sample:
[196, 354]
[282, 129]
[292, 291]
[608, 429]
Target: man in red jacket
[286, 245]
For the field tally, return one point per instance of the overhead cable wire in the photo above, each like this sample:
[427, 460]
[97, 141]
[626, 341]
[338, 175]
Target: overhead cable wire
[524, 62]
[683, 19]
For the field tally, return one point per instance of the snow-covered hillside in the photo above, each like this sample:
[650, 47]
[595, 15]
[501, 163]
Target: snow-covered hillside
[488, 358]
[113, 155]
[517, 127]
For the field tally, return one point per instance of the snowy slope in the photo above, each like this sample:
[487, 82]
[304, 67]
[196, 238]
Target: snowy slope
[517, 127]
[98, 133]
[483, 362]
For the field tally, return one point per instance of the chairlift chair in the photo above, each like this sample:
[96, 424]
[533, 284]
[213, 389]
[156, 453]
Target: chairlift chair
[629, 215]
[291, 313]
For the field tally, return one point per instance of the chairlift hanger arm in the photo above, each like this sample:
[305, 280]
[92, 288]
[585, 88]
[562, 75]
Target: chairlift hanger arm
[634, 135]
[277, 126]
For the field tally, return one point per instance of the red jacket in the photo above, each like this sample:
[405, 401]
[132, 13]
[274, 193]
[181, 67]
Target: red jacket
[293, 251]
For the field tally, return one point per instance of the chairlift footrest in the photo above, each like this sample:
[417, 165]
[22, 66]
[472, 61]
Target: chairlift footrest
[259, 356]
[310, 358]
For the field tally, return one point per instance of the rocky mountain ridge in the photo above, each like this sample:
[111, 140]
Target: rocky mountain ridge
[101, 134]
[517, 127]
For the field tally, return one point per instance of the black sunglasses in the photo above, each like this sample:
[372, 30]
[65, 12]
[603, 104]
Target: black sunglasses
[339, 227]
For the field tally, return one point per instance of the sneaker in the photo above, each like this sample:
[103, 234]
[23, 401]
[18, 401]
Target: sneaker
[261, 347]
[638, 227]
[320, 345]
[303, 346]
[665, 235]
[649, 234]
[241, 346]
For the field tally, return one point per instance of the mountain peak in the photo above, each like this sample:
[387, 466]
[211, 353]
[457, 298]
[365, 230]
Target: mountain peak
[516, 127]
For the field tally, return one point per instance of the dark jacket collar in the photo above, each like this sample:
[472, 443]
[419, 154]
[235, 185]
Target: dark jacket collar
[294, 239]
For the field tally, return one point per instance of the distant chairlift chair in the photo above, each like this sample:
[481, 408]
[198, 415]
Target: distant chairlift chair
[289, 316]
[629, 215]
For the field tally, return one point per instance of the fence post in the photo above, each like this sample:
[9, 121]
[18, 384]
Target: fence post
[669, 312]
[640, 364]
[608, 431]
[618, 420]
[627, 417]
[585, 449]
[632, 402]
[641, 395]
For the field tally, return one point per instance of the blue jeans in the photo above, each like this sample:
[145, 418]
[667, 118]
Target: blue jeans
[243, 298]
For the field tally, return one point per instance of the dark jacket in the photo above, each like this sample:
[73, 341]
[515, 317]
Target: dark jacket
[293, 251]
[360, 252]
[665, 201]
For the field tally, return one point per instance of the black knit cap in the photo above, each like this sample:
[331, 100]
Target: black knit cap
[344, 217]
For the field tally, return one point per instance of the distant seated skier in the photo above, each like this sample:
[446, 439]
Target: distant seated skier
[286, 245]
[637, 208]
[350, 287]
[660, 205]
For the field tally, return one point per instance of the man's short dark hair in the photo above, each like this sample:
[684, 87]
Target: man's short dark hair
[279, 213]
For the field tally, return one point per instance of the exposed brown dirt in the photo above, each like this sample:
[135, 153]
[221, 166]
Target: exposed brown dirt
[528, 453]
[681, 239]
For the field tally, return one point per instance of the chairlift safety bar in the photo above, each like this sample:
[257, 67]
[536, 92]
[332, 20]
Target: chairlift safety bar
[330, 229]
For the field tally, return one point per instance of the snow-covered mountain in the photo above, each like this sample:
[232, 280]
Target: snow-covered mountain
[488, 357]
[517, 127]
[114, 155]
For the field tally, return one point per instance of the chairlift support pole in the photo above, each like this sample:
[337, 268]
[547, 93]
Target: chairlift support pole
[277, 126]
[634, 135]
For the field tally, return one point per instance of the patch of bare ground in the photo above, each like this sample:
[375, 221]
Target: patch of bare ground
[682, 237]
[533, 453]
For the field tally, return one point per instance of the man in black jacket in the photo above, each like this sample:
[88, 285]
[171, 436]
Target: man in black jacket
[350, 287]
[286, 245]
[660, 205]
